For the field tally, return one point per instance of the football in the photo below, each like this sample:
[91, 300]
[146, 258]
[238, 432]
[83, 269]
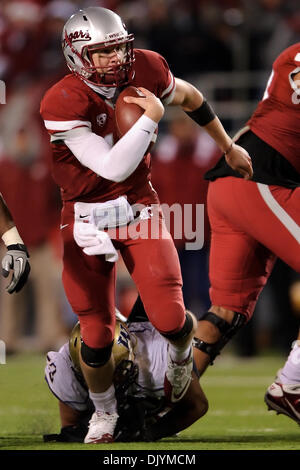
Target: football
[126, 114]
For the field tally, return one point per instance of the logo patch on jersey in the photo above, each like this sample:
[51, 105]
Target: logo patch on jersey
[101, 119]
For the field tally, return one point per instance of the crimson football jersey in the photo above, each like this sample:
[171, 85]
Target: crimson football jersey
[71, 103]
[276, 119]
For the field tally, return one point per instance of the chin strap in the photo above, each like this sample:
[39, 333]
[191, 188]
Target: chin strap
[106, 92]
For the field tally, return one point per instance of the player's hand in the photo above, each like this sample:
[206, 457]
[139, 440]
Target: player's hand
[16, 259]
[73, 433]
[153, 107]
[239, 160]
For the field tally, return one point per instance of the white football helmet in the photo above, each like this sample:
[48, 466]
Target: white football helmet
[94, 29]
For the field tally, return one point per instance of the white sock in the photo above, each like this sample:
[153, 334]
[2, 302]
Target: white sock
[105, 401]
[177, 353]
[290, 373]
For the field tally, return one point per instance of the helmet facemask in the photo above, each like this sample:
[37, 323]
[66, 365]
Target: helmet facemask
[117, 74]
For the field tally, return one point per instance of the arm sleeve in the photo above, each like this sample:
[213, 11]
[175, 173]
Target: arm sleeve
[113, 163]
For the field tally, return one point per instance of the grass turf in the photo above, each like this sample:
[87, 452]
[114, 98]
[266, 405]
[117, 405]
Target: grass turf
[237, 418]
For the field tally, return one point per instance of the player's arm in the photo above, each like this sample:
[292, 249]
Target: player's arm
[16, 257]
[64, 383]
[192, 406]
[193, 103]
[68, 416]
[6, 220]
[73, 428]
[94, 152]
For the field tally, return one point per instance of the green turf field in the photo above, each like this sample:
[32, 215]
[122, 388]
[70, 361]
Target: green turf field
[237, 419]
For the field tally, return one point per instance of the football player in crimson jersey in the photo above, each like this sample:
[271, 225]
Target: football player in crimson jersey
[106, 184]
[16, 257]
[254, 222]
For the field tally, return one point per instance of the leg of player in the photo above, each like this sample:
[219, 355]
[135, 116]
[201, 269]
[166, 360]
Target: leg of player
[283, 395]
[214, 330]
[83, 278]
[180, 360]
[153, 263]
[239, 267]
[102, 393]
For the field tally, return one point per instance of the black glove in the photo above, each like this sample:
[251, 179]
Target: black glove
[136, 415]
[16, 259]
[131, 420]
[75, 433]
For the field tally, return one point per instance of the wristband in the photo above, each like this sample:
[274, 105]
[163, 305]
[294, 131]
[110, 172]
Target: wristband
[12, 237]
[19, 247]
[202, 115]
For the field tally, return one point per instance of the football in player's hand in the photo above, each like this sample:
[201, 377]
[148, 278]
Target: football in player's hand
[126, 114]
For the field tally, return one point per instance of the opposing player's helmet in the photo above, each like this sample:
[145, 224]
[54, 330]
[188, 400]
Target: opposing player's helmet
[122, 348]
[94, 29]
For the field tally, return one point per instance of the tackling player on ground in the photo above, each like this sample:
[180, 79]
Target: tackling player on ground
[140, 355]
[97, 177]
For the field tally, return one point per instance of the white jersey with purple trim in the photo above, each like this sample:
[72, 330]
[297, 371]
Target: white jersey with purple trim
[150, 356]
[63, 381]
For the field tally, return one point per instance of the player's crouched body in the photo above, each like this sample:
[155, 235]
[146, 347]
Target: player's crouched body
[140, 355]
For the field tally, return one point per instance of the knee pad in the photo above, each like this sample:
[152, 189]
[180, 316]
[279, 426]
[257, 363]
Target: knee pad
[95, 357]
[185, 330]
[227, 330]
